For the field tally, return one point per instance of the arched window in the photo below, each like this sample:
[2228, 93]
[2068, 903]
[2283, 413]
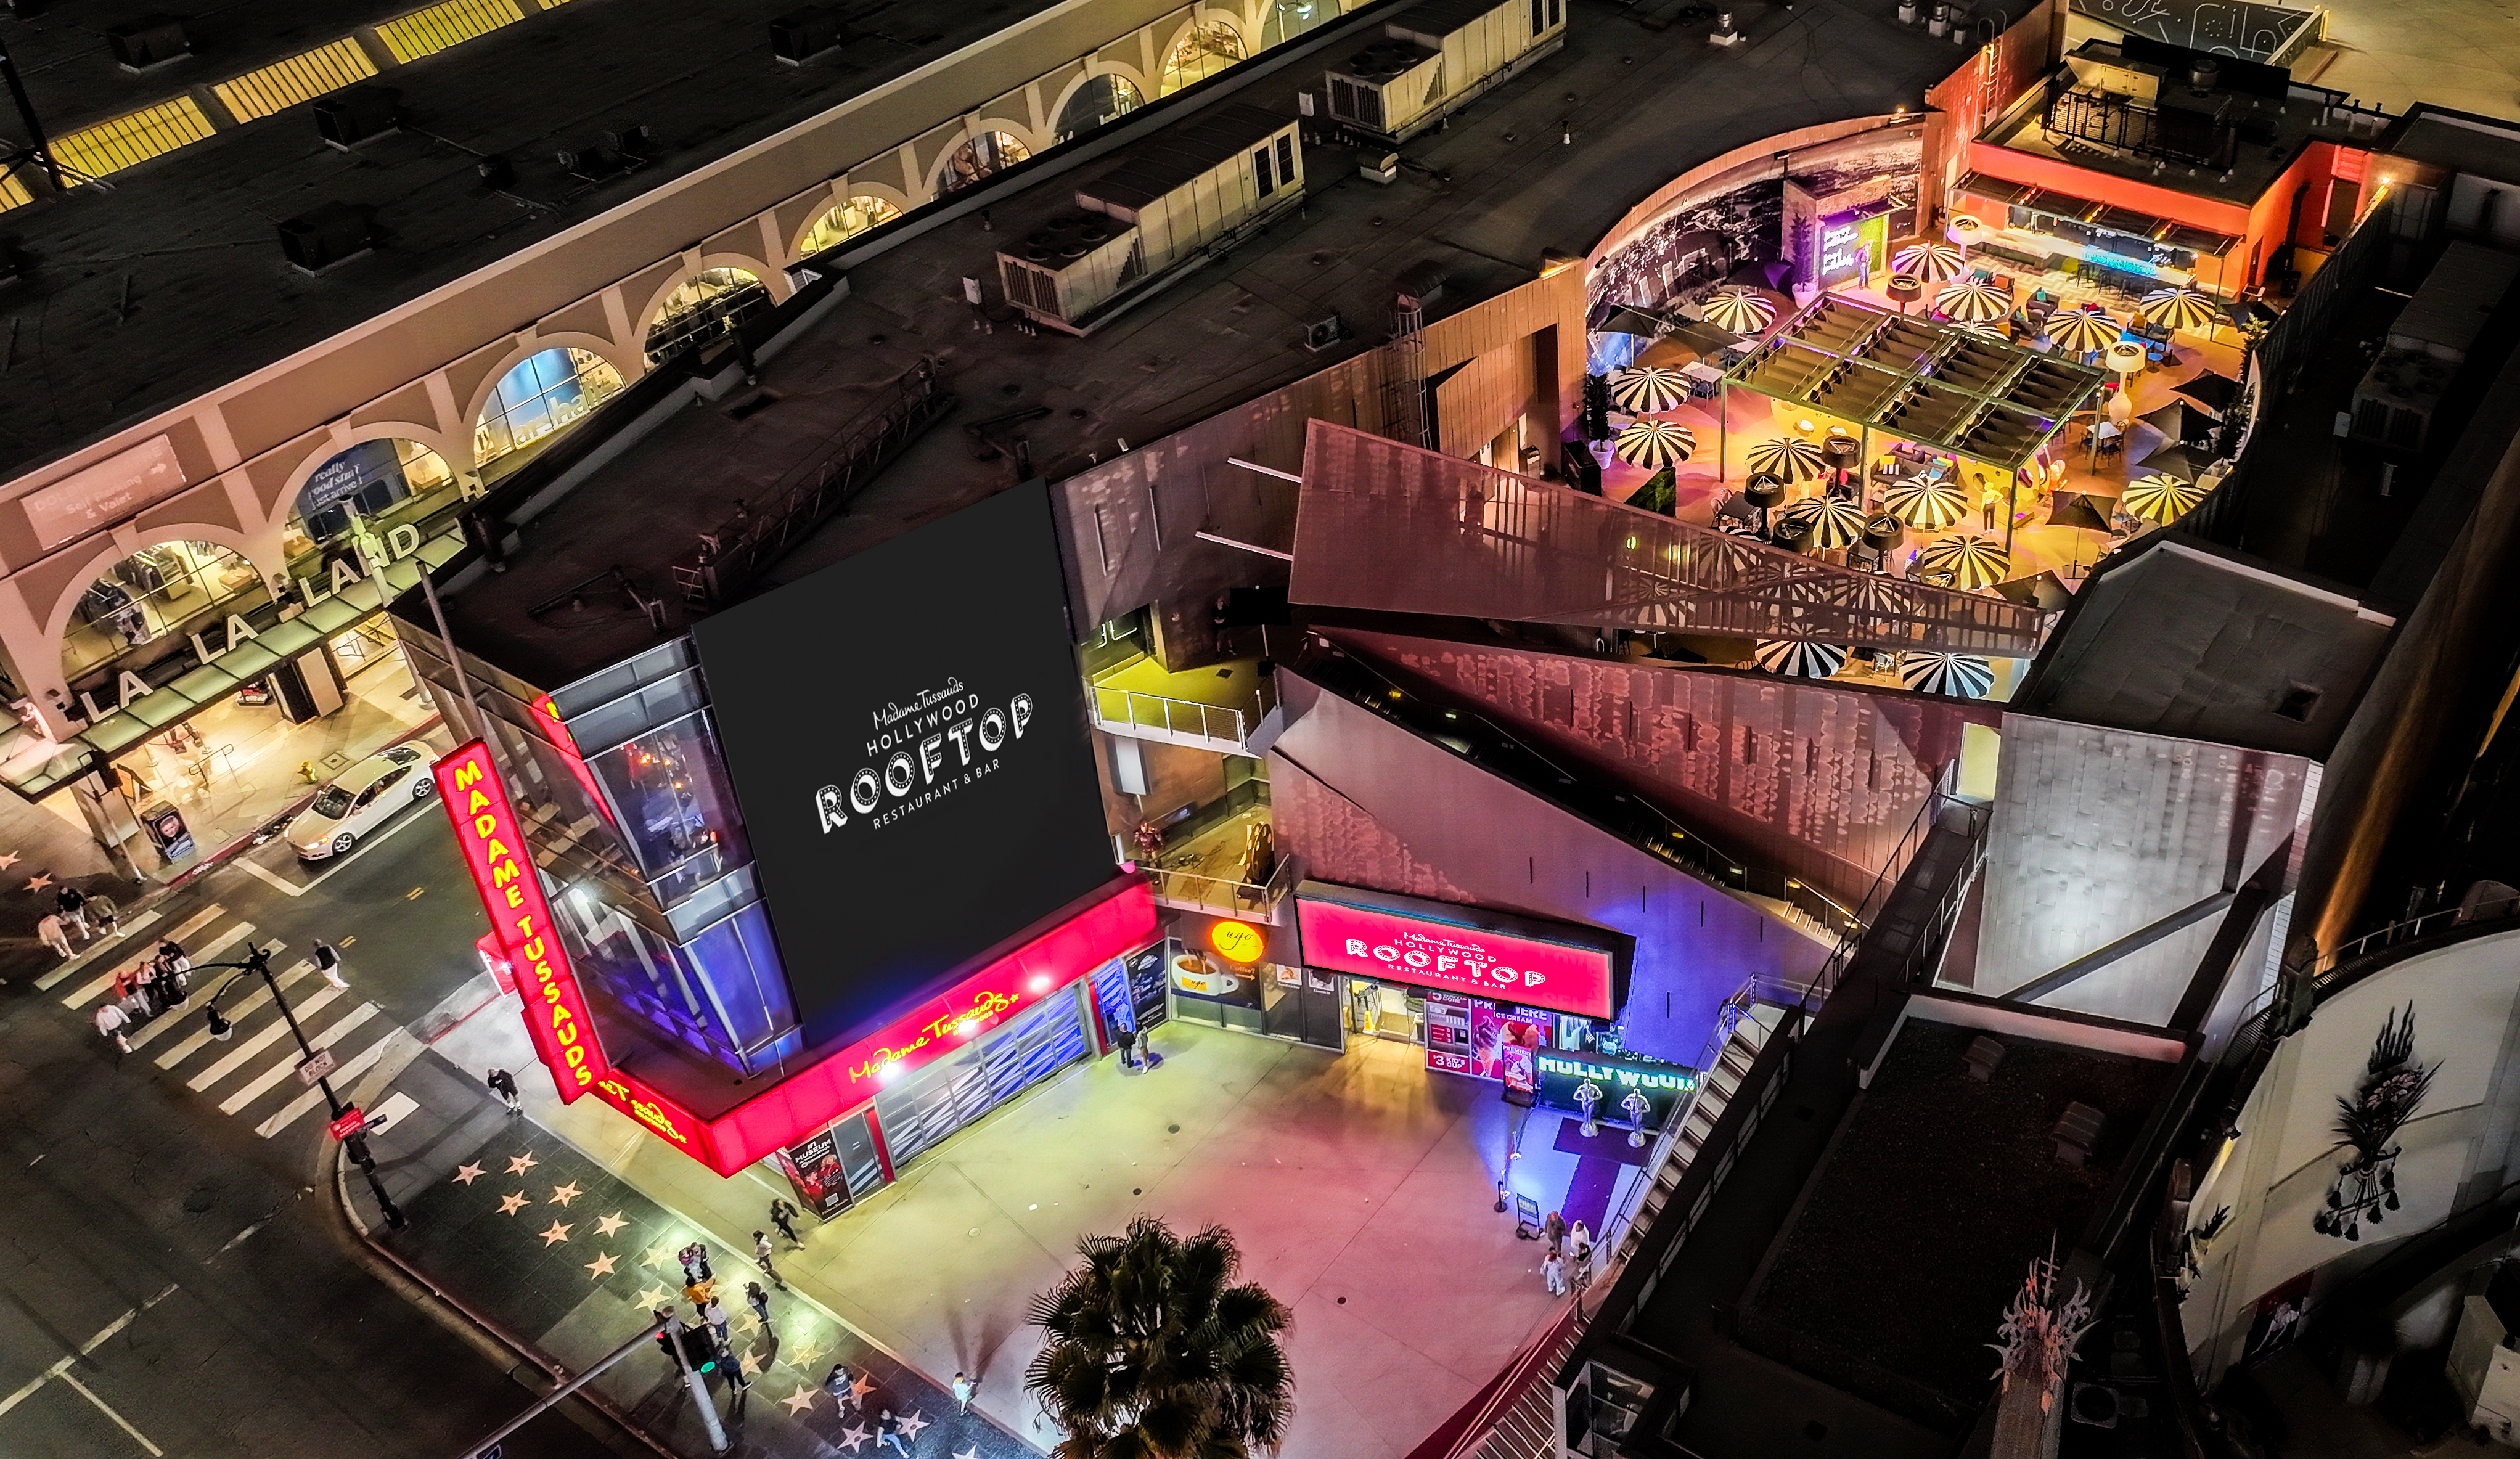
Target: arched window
[1099, 100]
[1289, 19]
[846, 221]
[550, 390]
[1202, 54]
[154, 591]
[366, 489]
[988, 153]
[710, 304]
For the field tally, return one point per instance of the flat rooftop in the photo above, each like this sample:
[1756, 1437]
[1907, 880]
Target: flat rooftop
[172, 283]
[1483, 198]
[1936, 1194]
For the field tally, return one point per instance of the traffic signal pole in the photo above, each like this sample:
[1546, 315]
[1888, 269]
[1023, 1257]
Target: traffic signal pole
[673, 1330]
[490, 1446]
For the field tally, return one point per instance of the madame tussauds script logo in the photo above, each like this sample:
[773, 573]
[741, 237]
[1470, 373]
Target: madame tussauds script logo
[944, 741]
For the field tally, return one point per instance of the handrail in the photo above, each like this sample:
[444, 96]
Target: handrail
[1238, 896]
[1885, 881]
[1245, 719]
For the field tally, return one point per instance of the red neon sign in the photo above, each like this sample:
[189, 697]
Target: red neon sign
[1374, 944]
[547, 715]
[502, 872]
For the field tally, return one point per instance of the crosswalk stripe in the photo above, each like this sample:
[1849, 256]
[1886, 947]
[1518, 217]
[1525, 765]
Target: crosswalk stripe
[80, 963]
[297, 1107]
[206, 917]
[263, 1037]
[285, 1068]
[191, 1043]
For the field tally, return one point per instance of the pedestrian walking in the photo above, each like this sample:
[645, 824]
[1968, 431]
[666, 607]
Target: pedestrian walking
[179, 968]
[103, 915]
[964, 1388]
[56, 936]
[328, 961]
[1557, 1230]
[715, 1316]
[843, 1385]
[759, 1300]
[504, 1084]
[1579, 1243]
[1128, 1050]
[1553, 1273]
[887, 1430]
[784, 1216]
[72, 903]
[761, 1259]
[111, 1021]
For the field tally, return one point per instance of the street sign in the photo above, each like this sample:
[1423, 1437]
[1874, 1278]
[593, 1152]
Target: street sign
[352, 1121]
[314, 1067]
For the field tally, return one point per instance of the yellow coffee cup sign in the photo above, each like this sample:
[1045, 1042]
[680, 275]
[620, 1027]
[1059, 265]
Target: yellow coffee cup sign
[1238, 941]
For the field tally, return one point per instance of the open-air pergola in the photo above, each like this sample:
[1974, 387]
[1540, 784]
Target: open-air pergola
[1914, 380]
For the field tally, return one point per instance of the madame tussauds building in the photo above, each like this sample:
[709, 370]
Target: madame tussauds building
[822, 878]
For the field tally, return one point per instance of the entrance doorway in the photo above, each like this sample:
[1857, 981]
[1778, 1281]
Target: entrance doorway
[1386, 1011]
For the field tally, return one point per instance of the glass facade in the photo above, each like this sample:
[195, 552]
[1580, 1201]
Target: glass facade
[976, 158]
[961, 1088]
[1202, 53]
[160, 590]
[846, 222]
[1099, 100]
[710, 305]
[544, 394]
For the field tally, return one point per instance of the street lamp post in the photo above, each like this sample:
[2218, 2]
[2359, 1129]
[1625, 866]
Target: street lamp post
[258, 964]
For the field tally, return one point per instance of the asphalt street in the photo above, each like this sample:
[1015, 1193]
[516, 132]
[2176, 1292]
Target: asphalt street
[178, 1284]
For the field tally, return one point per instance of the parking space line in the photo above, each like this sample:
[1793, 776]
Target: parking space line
[107, 1409]
[104, 1334]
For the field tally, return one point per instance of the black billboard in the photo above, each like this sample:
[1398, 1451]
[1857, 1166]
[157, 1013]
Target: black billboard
[905, 730]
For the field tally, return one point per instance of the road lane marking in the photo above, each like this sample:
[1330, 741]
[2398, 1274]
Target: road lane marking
[104, 1334]
[71, 965]
[239, 1238]
[260, 1085]
[273, 880]
[185, 1047]
[107, 1409]
[263, 1037]
[283, 885]
[200, 920]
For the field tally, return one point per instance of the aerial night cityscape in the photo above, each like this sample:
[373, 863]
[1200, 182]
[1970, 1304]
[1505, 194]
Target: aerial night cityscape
[1259, 729]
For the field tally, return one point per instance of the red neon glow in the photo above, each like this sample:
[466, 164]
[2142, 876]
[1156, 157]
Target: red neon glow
[547, 715]
[1464, 960]
[512, 892]
[813, 1098]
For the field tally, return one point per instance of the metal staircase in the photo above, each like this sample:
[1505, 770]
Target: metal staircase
[1740, 1032]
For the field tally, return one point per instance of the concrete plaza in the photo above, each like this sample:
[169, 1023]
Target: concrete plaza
[1361, 1187]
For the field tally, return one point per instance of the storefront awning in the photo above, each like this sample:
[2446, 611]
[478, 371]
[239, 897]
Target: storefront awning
[2168, 232]
[36, 768]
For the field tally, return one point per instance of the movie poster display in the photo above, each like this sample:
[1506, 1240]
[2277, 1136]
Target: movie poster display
[812, 1167]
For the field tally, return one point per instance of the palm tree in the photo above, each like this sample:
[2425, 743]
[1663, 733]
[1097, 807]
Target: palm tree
[1153, 1354]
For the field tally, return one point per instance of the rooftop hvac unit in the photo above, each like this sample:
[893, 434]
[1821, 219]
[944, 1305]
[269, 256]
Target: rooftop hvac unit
[1322, 334]
[150, 41]
[2394, 404]
[354, 113]
[801, 35]
[327, 235]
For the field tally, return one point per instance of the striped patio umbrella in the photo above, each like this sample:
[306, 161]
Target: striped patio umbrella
[1961, 675]
[1739, 310]
[2160, 498]
[1974, 302]
[1653, 444]
[1823, 522]
[1932, 260]
[1734, 526]
[1929, 505]
[2182, 308]
[1791, 458]
[2082, 330]
[1647, 389]
[1798, 658]
[1984, 328]
[1973, 561]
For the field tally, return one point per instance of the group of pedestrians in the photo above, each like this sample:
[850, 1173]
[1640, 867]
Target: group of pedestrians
[848, 1394]
[1568, 1266]
[76, 914]
[156, 987]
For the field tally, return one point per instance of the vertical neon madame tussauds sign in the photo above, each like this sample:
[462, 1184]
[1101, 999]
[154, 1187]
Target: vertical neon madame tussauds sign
[503, 871]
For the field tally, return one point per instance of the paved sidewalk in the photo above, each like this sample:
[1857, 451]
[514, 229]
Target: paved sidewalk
[566, 1260]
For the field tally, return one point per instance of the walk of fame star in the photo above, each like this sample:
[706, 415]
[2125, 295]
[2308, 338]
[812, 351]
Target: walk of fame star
[605, 1226]
[509, 1203]
[562, 1195]
[467, 1174]
[37, 884]
[649, 1296]
[799, 1401]
[558, 1232]
[517, 1165]
[855, 1436]
[913, 1424]
[9, 861]
[602, 1265]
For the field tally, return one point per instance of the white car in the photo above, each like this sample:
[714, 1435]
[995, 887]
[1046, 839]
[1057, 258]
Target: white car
[359, 800]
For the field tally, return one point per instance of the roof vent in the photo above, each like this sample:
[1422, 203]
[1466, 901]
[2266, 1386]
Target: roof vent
[354, 113]
[147, 41]
[801, 35]
[325, 234]
[2204, 73]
